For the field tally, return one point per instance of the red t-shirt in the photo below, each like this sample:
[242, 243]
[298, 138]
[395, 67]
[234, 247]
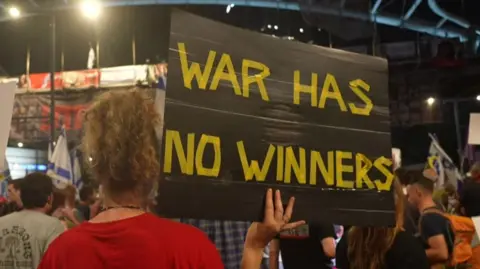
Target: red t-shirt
[141, 242]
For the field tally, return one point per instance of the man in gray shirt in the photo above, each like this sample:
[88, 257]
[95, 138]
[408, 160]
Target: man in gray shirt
[25, 235]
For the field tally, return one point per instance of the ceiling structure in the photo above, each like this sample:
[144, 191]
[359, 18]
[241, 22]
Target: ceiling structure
[446, 19]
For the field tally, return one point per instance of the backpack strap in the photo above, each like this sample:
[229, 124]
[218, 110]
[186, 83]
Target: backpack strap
[450, 238]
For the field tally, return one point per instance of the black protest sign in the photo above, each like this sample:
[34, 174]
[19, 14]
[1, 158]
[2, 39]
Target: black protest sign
[246, 112]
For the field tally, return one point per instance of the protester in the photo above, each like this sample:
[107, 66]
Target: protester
[120, 139]
[13, 192]
[382, 247]
[435, 230]
[411, 214]
[65, 207]
[13, 202]
[309, 246]
[470, 193]
[27, 234]
[469, 203]
[87, 199]
[228, 237]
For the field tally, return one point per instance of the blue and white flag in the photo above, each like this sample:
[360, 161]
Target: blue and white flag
[445, 170]
[60, 165]
[4, 178]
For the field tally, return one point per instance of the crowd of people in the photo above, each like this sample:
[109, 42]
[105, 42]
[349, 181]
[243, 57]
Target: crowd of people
[115, 226]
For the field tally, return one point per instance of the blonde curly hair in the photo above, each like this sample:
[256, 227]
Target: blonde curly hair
[119, 143]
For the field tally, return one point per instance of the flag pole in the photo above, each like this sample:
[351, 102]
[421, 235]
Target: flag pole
[27, 68]
[134, 45]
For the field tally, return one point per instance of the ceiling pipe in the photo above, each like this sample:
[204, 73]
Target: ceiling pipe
[389, 20]
[412, 9]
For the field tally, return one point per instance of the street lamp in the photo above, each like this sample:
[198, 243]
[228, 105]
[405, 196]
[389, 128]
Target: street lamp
[91, 9]
[14, 12]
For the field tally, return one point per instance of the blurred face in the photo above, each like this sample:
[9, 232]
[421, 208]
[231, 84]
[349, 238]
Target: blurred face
[14, 195]
[414, 194]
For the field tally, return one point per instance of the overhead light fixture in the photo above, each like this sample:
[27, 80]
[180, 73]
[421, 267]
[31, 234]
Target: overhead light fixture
[14, 12]
[269, 26]
[301, 30]
[430, 101]
[20, 144]
[275, 27]
[478, 97]
[91, 9]
[229, 8]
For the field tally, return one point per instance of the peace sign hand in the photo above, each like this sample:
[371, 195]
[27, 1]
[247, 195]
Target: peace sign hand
[275, 221]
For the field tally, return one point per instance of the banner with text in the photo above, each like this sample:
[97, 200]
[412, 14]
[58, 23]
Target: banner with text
[245, 112]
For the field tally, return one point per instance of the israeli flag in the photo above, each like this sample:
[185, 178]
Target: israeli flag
[60, 165]
[445, 170]
[4, 178]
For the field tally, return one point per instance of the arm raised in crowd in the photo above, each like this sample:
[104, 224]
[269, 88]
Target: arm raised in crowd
[260, 234]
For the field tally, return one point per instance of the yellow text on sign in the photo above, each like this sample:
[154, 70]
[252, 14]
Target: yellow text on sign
[331, 91]
[292, 163]
[224, 71]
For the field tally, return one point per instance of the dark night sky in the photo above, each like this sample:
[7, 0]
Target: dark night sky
[115, 30]
[150, 24]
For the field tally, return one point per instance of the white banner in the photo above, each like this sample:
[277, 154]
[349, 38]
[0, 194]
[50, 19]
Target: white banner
[7, 95]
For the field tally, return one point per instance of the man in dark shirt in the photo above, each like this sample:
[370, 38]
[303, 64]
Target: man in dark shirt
[470, 193]
[309, 246]
[87, 198]
[434, 228]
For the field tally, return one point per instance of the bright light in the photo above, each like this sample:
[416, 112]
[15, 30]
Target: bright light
[301, 30]
[54, 143]
[229, 8]
[91, 9]
[269, 26]
[90, 159]
[14, 12]
[20, 144]
[275, 27]
[430, 101]
[478, 97]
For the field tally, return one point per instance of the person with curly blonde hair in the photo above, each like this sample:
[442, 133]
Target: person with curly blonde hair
[121, 149]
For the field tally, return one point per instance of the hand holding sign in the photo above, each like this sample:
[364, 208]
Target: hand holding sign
[275, 221]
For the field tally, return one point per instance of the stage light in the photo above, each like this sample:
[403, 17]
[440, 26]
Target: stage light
[14, 12]
[91, 9]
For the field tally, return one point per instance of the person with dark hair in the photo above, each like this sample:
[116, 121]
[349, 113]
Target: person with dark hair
[13, 192]
[28, 233]
[14, 202]
[435, 229]
[119, 137]
[470, 194]
[87, 199]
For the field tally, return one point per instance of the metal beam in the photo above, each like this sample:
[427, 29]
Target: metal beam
[412, 9]
[376, 6]
[390, 20]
